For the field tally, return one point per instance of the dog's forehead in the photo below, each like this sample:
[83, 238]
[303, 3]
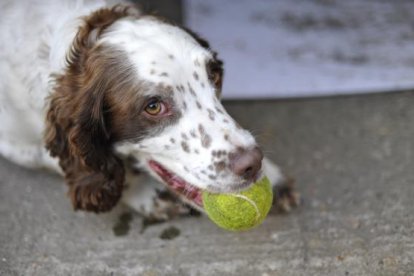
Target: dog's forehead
[160, 52]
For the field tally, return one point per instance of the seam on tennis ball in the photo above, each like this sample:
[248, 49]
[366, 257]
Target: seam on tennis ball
[251, 202]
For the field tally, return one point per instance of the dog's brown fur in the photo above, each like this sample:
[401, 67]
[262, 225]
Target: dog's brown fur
[77, 130]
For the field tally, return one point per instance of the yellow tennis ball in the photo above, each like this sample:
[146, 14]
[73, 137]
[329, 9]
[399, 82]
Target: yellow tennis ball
[240, 211]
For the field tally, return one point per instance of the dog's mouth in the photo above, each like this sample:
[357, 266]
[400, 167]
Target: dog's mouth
[177, 184]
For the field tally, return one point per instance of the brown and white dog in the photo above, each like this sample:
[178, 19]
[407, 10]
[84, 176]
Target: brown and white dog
[97, 92]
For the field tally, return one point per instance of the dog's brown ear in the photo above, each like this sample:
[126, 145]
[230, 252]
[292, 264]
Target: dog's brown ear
[77, 126]
[77, 133]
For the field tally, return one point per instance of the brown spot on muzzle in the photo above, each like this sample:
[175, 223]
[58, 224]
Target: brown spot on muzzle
[211, 114]
[185, 146]
[195, 75]
[220, 166]
[205, 138]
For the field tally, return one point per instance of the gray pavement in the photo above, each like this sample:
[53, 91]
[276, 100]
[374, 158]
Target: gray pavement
[352, 158]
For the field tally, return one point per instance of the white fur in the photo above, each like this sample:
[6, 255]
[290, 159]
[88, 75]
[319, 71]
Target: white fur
[147, 40]
[36, 36]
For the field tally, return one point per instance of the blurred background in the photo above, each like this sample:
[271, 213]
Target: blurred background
[284, 48]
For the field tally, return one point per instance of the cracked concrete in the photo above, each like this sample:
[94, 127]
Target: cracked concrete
[352, 159]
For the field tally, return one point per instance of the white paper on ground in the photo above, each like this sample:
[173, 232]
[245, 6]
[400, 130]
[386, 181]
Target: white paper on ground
[285, 48]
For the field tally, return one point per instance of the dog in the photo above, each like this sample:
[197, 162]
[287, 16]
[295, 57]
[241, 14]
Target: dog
[125, 106]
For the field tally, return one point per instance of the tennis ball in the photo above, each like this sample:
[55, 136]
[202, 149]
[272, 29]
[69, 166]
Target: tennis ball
[240, 211]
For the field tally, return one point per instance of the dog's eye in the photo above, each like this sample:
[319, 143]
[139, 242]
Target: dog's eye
[154, 107]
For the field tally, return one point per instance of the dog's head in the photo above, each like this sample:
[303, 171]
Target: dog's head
[143, 88]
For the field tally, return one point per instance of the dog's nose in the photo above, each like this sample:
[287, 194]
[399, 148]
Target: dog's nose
[246, 163]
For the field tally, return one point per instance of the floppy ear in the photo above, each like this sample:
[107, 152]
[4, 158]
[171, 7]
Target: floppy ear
[76, 134]
[77, 123]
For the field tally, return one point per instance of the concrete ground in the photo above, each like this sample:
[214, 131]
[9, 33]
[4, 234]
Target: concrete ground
[352, 158]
